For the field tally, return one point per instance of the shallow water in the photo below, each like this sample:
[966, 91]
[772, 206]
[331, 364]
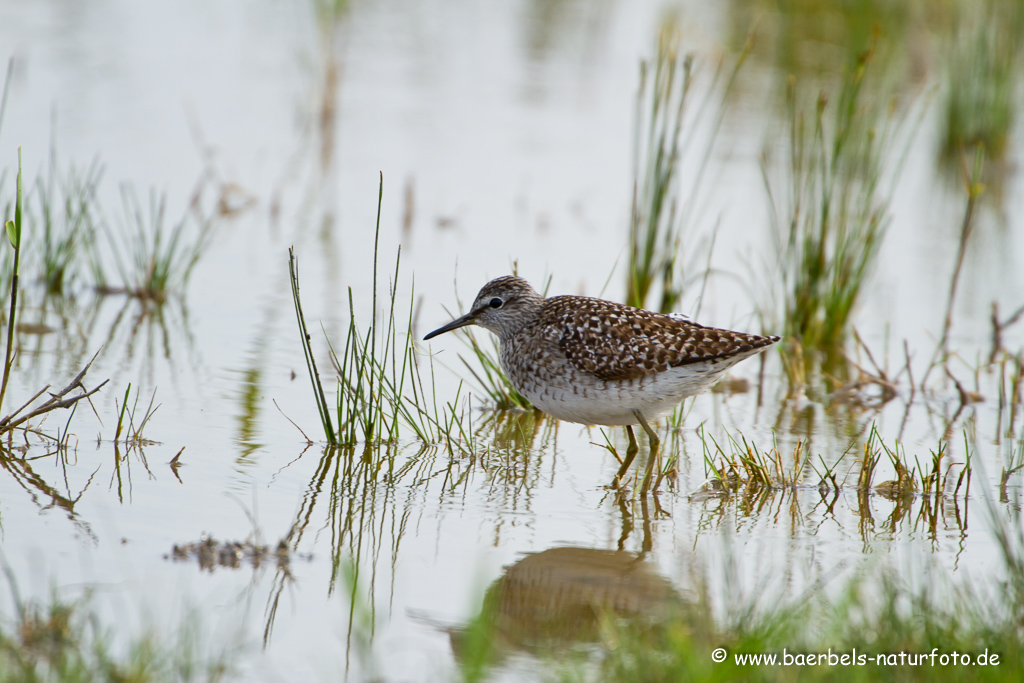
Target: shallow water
[510, 128]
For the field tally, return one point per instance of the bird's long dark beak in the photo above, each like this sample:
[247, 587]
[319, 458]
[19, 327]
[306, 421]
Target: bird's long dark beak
[467, 319]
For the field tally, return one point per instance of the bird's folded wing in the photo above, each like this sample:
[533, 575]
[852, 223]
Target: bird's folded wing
[618, 342]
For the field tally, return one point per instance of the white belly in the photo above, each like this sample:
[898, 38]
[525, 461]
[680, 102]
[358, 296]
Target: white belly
[589, 400]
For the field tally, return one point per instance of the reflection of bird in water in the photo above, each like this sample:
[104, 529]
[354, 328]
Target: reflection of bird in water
[552, 599]
[593, 361]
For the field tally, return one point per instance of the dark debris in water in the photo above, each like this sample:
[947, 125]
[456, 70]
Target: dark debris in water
[210, 553]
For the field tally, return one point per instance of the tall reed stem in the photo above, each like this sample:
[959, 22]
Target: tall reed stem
[14, 235]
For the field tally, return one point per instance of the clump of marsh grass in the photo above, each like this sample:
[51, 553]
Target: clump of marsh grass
[817, 38]
[370, 403]
[380, 384]
[654, 239]
[934, 490]
[67, 217]
[151, 258]
[659, 211]
[981, 80]
[905, 483]
[829, 220]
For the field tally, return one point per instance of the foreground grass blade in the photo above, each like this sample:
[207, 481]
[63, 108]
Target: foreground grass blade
[314, 376]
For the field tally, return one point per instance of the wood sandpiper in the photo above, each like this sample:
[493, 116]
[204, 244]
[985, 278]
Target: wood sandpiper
[593, 361]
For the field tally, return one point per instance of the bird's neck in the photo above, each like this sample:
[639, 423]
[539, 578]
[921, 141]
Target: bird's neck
[525, 313]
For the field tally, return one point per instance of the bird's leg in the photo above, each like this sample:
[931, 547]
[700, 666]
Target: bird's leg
[631, 452]
[654, 454]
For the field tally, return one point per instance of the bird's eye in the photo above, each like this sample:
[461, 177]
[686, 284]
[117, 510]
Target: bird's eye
[496, 302]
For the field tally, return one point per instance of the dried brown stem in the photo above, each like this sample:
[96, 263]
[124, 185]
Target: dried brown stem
[55, 402]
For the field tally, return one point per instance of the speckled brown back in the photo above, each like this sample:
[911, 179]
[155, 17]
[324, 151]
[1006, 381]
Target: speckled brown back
[618, 342]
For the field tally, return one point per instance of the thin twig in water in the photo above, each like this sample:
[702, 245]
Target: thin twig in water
[55, 401]
[308, 440]
[974, 190]
[999, 327]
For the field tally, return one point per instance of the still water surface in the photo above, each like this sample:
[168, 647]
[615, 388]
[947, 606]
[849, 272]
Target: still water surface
[504, 135]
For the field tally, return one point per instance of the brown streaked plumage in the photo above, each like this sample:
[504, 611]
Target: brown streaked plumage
[616, 342]
[598, 362]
